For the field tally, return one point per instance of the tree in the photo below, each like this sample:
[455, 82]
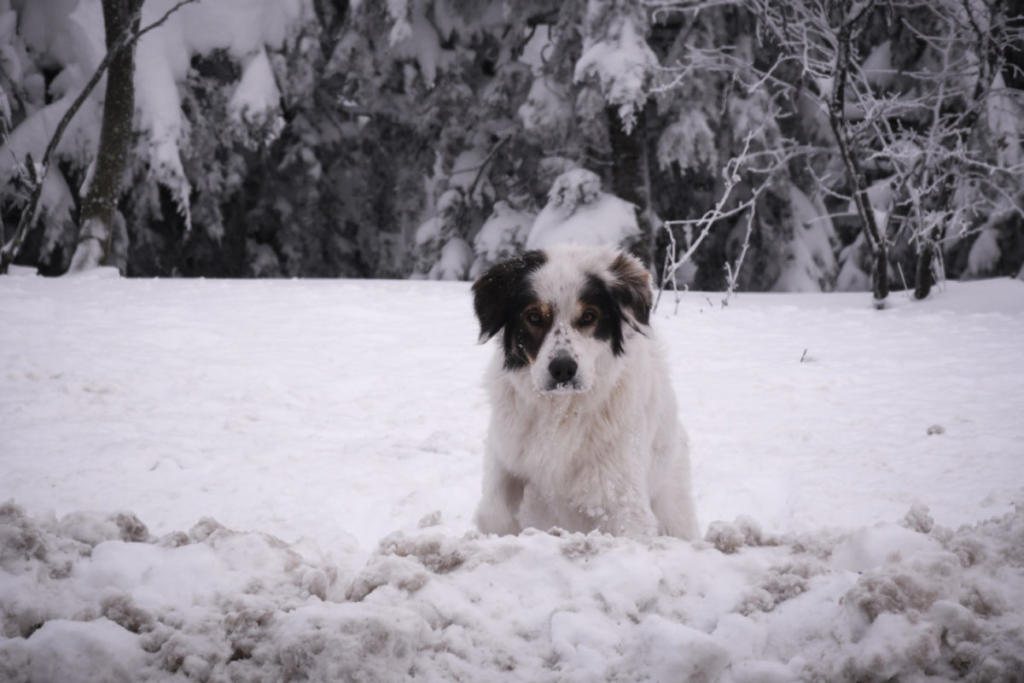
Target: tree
[37, 174]
[908, 90]
[619, 63]
[100, 218]
[822, 39]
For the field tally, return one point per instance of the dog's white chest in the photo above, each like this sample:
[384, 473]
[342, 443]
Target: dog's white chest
[546, 441]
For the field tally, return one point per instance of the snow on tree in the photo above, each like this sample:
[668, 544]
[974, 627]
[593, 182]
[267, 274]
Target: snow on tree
[322, 138]
[27, 40]
[442, 254]
[164, 59]
[502, 236]
[579, 212]
[70, 36]
[546, 109]
[616, 55]
[808, 260]
[688, 141]
[101, 222]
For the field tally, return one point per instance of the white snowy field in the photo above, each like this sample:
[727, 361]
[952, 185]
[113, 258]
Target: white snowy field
[274, 480]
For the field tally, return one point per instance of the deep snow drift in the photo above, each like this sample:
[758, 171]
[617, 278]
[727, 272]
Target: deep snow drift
[266, 480]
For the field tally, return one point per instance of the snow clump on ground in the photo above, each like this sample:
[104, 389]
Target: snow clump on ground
[91, 597]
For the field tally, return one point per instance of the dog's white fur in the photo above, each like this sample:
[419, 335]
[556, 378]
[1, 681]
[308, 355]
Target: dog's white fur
[609, 455]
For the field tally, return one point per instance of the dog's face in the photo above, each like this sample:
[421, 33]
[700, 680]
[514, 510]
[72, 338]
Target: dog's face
[566, 313]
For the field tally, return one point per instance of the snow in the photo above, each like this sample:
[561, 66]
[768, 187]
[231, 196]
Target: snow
[580, 212]
[256, 94]
[809, 261]
[31, 138]
[441, 253]
[536, 48]
[72, 35]
[689, 142]
[414, 36]
[68, 35]
[877, 68]
[455, 261]
[984, 253]
[333, 429]
[1003, 113]
[466, 171]
[47, 31]
[546, 107]
[852, 277]
[33, 134]
[502, 236]
[880, 197]
[619, 60]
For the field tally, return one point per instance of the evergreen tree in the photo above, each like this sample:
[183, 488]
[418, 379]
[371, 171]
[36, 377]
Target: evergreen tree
[762, 145]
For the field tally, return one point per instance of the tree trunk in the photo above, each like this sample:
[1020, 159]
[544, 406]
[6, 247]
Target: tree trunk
[923, 279]
[631, 175]
[99, 208]
[838, 122]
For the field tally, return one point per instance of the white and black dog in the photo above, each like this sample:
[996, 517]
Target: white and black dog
[584, 432]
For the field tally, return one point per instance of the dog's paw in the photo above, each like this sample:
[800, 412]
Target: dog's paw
[632, 523]
[494, 522]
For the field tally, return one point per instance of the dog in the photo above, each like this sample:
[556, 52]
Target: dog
[584, 433]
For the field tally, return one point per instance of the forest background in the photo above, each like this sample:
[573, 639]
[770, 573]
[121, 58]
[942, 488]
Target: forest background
[733, 144]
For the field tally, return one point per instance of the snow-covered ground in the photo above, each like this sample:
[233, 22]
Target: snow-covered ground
[273, 480]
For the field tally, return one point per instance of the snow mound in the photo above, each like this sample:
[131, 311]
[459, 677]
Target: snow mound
[579, 212]
[91, 597]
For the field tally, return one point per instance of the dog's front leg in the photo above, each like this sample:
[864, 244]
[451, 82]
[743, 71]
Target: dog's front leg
[632, 518]
[618, 504]
[499, 506]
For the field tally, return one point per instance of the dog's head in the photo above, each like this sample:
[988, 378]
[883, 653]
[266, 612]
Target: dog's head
[566, 313]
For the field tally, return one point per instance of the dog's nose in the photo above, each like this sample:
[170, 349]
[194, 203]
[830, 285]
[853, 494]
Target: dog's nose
[562, 368]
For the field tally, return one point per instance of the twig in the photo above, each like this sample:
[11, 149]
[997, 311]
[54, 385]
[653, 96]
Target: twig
[715, 214]
[483, 165]
[733, 273]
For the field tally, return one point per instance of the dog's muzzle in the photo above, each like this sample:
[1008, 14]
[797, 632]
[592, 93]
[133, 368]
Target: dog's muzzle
[562, 371]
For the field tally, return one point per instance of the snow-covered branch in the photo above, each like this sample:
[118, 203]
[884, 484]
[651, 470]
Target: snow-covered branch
[29, 217]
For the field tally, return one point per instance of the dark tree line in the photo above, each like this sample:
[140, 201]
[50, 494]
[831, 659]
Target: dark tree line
[765, 145]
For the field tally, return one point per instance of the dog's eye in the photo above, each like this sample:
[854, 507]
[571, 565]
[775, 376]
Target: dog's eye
[534, 317]
[589, 317]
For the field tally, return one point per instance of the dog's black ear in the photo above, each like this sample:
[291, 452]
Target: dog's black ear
[632, 286]
[497, 290]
